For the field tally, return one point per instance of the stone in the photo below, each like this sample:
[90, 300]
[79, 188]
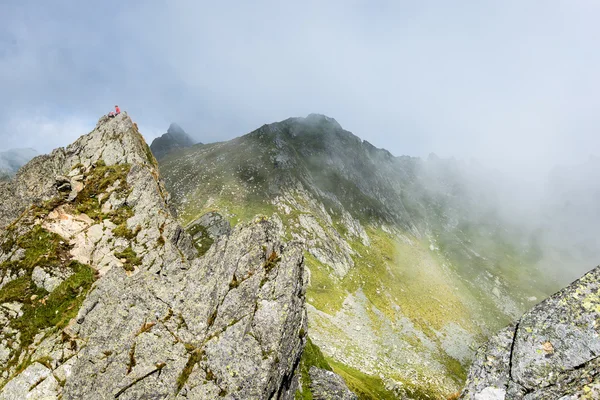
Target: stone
[48, 281]
[214, 223]
[35, 382]
[327, 385]
[552, 352]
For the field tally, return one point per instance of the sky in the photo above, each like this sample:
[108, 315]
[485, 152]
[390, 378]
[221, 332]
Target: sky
[514, 84]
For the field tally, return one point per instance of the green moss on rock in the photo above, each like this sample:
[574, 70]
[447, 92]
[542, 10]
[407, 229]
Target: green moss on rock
[129, 258]
[202, 239]
[97, 181]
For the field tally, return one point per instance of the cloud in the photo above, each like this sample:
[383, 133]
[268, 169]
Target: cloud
[27, 131]
[513, 84]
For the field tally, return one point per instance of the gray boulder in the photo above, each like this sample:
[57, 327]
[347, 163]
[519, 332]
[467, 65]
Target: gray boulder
[214, 223]
[552, 352]
[327, 385]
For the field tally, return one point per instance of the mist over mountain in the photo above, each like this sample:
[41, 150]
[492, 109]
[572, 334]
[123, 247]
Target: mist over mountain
[297, 261]
[175, 138]
[13, 159]
[428, 234]
[454, 249]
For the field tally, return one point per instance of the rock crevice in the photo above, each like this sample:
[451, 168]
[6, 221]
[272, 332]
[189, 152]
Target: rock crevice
[552, 352]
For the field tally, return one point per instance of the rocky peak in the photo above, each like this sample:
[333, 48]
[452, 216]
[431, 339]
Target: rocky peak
[175, 138]
[321, 119]
[175, 130]
[104, 295]
[115, 141]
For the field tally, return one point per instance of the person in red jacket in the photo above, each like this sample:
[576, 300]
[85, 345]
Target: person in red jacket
[117, 111]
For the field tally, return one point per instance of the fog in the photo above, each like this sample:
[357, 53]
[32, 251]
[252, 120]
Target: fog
[555, 217]
[510, 88]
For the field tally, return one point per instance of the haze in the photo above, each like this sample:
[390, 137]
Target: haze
[513, 84]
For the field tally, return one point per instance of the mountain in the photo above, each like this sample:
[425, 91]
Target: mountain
[550, 353]
[103, 295]
[12, 160]
[295, 262]
[410, 265]
[175, 138]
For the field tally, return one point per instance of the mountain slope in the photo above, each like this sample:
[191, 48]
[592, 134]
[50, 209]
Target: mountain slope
[175, 138]
[104, 296]
[408, 268]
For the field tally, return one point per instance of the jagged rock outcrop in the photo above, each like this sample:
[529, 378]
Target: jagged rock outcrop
[175, 138]
[103, 295]
[551, 353]
[327, 385]
[208, 228]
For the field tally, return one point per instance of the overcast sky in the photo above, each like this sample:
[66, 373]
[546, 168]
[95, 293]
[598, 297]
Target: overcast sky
[512, 83]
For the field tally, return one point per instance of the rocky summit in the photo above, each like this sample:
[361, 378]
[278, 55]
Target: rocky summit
[175, 138]
[550, 353]
[103, 295]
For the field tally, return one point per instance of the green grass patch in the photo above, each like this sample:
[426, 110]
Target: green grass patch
[59, 307]
[369, 387]
[124, 232]
[129, 258]
[311, 356]
[325, 291]
[97, 181]
[21, 290]
[41, 248]
[366, 387]
[44, 310]
[391, 271]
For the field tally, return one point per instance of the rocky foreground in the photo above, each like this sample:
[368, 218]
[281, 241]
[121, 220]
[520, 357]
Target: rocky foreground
[103, 295]
[551, 353]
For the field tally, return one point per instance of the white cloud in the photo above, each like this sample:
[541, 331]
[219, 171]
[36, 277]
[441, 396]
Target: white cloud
[30, 131]
[462, 78]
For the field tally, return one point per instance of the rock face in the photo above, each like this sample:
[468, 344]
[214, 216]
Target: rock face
[175, 138]
[551, 353]
[207, 229]
[326, 385]
[103, 295]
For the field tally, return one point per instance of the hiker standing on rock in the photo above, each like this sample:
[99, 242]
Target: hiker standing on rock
[117, 111]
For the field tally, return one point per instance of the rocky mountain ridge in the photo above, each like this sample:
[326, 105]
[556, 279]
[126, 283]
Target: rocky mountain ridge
[408, 271]
[104, 295]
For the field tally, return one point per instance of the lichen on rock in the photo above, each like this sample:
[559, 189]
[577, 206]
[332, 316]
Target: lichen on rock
[551, 353]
